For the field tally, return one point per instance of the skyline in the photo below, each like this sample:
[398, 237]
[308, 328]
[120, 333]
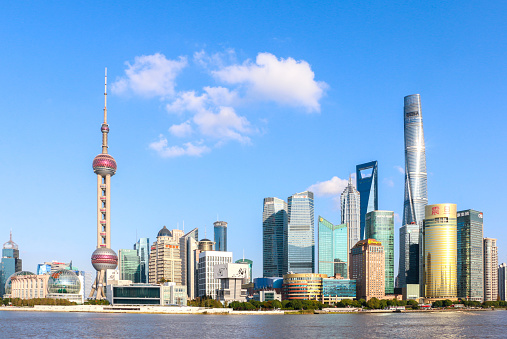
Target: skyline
[53, 100]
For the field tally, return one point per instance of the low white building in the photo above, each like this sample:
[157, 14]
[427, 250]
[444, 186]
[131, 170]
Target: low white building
[231, 278]
[208, 284]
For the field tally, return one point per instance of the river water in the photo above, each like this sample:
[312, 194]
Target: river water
[393, 325]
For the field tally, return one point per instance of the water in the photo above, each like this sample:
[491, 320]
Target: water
[392, 325]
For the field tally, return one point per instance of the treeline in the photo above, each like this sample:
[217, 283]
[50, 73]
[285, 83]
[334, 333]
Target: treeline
[96, 302]
[36, 301]
[206, 301]
[376, 304]
[275, 304]
[466, 303]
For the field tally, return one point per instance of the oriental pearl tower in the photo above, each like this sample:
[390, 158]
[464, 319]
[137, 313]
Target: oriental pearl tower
[104, 165]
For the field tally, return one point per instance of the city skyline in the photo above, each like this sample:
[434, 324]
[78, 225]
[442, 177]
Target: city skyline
[349, 114]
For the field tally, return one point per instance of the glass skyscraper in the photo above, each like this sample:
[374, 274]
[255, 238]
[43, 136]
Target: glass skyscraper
[367, 185]
[380, 226]
[129, 265]
[470, 255]
[220, 228]
[333, 248]
[10, 263]
[300, 233]
[274, 233]
[408, 270]
[142, 246]
[350, 209]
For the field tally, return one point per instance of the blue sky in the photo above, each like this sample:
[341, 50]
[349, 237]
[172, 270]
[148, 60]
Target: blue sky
[214, 106]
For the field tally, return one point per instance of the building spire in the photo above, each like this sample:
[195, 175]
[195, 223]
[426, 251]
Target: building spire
[105, 127]
[105, 98]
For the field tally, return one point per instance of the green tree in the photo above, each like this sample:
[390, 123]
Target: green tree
[373, 303]
[447, 303]
[276, 304]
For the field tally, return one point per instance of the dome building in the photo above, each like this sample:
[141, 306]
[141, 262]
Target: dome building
[165, 257]
[65, 284]
[8, 283]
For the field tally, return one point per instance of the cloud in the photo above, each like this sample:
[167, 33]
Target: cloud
[400, 169]
[284, 81]
[334, 186]
[224, 125]
[150, 76]
[182, 130]
[165, 151]
[216, 60]
[389, 182]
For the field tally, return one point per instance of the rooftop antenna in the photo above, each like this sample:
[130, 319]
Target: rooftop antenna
[183, 226]
[243, 255]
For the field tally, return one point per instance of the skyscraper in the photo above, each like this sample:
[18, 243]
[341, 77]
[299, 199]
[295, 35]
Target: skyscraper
[142, 246]
[274, 231]
[165, 260]
[470, 256]
[502, 282]
[367, 186]
[188, 244]
[490, 269]
[440, 252]
[220, 228]
[129, 264]
[333, 248]
[208, 285]
[350, 208]
[104, 165]
[300, 235]
[367, 267]
[10, 263]
[408, 269]
[380, 226]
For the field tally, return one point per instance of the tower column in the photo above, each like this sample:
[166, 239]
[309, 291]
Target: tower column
[108, 211]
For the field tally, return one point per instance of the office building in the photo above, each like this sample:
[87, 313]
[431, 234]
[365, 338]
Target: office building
[333, 248]
[104, 165]
[408, 268]
[470, 256]
[380, 226]
[502, 282]
[350, 212]
[367, 269]
[274, 232]
[220, 230]
[188, 246]
[440, 252]
[490, 269]
[267, 296]
[129, 265]
[165, 260]
[250, 266]
[208, 285]
[335, 290]
[268, 283]
[231, 277]
[166, 294]
[142, 246]
[302, 286]
[367, 186]
[10, 264]
[300, 233]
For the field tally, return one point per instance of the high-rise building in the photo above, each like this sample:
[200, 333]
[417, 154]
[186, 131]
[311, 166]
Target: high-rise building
[274, 231]
[208, 285]
[408, 269]
[220, 228]
[333, 248]
[188, 244]
[380, 226]
[104, 165]
[302, 286]
[440, 252]
[129, 265]
[10, 263]
[350, 210]
[502, 281]
[490, 269]
[250, 266]
[300, 234]
[367, 268]
[367, 185]
[165, 260]
[470, 256]
[142, 246]
[191, 264]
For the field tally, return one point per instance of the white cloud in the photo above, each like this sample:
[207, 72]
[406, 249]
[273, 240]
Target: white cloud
[182, 130]
[224, 125]
[187, 101]
[400, 169]
[221, 96]
[150, 76]
[216, 60]
[165, 151]
[284, 81]
[334, 186]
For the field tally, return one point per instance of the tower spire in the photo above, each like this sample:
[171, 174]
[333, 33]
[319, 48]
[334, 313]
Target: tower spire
[105, 127]
[105, 98]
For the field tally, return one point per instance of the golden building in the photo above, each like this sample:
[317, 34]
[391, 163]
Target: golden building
[367, 267]
[302, 286]
[440, 252]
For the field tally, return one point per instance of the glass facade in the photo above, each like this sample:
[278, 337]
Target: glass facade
[64, 281]
[367, 185]
[142, 246]
[333, 253]
[380, 226]
[300, 233]
[220, 228]
[129, 265]
[502, 281]
[350, 209]
[338, 289]
[306, 286]
[10, 263]
[408, 269]
[470, 255]
[440, 252]
[274, 231]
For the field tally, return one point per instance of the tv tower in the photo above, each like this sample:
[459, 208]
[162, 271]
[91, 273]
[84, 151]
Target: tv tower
[104, 165]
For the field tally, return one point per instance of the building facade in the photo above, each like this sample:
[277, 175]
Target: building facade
[220, 230]
[408, 268]
[380, 226]
[250, 267]
[208, 285]
[440, 252]
[302, 286]
[367, 185]
[333, 248]
[367, 269]
[335, 290]
[129, 265]
[142, 246]
[188, 246]
[350, 213]
[502, 281]
[274, 233]
[29, 286]
[490, 269]
[10, 264]
[470, 255]
[231, 276]
[165, 260]
[300, 233]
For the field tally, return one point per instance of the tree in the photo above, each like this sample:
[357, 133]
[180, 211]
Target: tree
[276, 304]
[373, 303]
[437, 303]
[447, 303]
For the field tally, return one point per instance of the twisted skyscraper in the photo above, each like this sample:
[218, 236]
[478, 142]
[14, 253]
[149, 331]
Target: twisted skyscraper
[104, 165]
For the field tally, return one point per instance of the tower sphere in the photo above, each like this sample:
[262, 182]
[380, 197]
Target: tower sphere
[104, 128]
[104, 164]
[104, 259]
